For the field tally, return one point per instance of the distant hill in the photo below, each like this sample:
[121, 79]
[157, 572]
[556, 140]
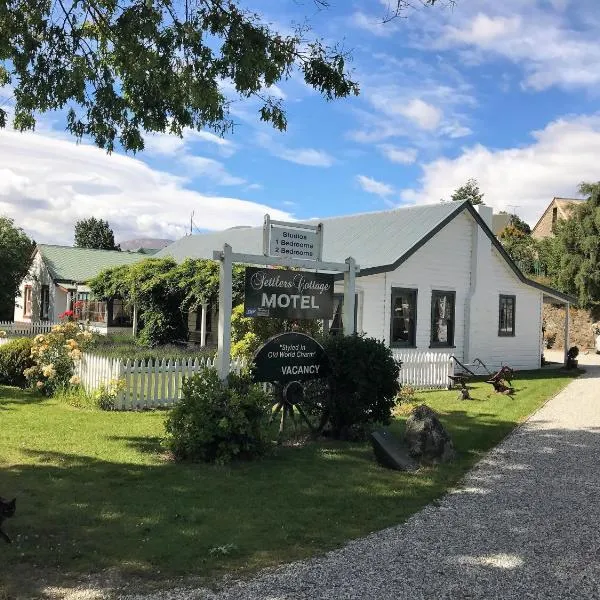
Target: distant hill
[144, 244]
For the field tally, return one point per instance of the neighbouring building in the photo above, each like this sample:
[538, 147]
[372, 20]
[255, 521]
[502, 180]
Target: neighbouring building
[57, 282]
[558, 209]
[431, 278]
[148, 246]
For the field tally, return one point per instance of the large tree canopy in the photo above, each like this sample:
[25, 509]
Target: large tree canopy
[16, 251]
[575, 250]
[124, 67]
[121, 68]
[521, 247]
[94, 233]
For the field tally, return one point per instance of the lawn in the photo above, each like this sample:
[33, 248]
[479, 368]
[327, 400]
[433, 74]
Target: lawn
[95, 491]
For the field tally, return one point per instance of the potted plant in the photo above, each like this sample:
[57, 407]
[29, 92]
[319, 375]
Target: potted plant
[572, 355]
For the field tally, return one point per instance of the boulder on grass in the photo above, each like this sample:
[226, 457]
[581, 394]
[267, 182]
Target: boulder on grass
[427, 439]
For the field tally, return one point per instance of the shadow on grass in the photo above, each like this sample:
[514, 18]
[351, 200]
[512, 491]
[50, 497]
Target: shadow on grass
[11, 397]
[145, 445]
[79, 514]
[155, 519]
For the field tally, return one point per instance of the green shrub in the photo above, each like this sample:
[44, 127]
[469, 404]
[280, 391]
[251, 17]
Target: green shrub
[406, 395]
[75, 396]
[54, 357]
[217, 422]
[106, 395]
[15, 357]
[363, 384]
[248, 334]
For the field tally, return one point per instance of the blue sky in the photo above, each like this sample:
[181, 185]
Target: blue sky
[506, 92]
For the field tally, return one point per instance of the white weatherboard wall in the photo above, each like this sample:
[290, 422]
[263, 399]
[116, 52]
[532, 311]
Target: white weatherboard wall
[446, 262]
[443, 263]
[37, 277]
[521, 351]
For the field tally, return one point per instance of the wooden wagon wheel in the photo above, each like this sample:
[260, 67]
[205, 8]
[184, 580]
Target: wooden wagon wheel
[287, 401]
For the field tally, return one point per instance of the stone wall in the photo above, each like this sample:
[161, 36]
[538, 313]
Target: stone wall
[580, 331]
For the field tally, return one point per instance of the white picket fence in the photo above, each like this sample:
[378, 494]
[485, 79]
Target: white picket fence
[21, 329]
[144, 384]
[425, 370]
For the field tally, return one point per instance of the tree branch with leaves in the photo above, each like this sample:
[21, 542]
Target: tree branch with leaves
[122, 68]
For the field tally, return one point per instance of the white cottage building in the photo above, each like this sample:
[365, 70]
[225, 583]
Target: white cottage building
[431, 278]
[57, 282]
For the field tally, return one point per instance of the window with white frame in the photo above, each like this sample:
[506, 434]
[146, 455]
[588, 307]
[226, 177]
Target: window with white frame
[27, 301]
[45, 303]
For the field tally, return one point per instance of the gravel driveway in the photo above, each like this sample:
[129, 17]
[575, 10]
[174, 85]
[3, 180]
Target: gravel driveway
[524, 524]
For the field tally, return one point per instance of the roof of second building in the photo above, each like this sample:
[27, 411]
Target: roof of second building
[67, 263]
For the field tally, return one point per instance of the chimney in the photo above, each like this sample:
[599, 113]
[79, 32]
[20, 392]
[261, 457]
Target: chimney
[487, 214]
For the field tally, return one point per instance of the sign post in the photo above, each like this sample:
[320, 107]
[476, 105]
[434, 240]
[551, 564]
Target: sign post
[349, 296]
[224, 338]
[294, 245]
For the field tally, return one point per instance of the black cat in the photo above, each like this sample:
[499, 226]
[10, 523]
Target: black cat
[7, 510]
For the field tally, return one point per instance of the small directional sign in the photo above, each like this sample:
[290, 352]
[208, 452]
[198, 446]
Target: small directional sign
[293, 240]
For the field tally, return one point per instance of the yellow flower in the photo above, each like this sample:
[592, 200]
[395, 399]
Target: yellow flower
[75, 354]
[75, 380]
[40, 384]
[2, 333]
[38, 339]
[72, 343]
[49, 371]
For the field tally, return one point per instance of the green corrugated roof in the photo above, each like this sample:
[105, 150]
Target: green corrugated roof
[66, 263]
[378, 241]
[373, 239]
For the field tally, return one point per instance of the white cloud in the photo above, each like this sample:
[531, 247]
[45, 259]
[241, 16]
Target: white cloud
[403, 156]
[306, 156]
[484, 30]
[551, 49]
[561, 156]
[54, 182]
[425, 115]
[276, 92]
[199, 166]
[226, 147]
[372, 24]
[455, 130]
[418, 112]
[372, 186]
[309, 157]
[169, 144]
[412, 99]
[163, 143]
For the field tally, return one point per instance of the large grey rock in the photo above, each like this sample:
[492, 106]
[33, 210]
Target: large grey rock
[426, 437]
